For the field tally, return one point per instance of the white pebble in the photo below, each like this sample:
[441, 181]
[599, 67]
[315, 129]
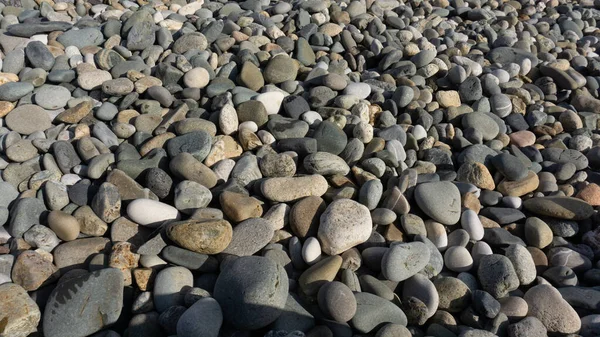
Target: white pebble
[458, 259]
[271, 100]
[311, 250]
[248, 125]
[151, 213]
[470, 222]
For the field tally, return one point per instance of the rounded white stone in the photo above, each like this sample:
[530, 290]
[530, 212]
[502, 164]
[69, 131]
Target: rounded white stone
[151, 213]
[311, 250]
[471, 223]
[271, 100]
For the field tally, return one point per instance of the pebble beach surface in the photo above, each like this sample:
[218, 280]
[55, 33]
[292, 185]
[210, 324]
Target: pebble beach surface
[318, 168]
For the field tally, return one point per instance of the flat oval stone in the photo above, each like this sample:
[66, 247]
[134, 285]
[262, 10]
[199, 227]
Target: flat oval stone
[442, 207]
[337, 301]
[249, 237]
[559, 207]
[205, 237]
[21, 315]
[344, 224]
[252, 292]
[169, 285]
[284, 189]
[404, 260]
[497, 275]
[97, 296]
[12, 91]
[546, 304]
[27, 119]
[81, 38]
[372, 311]
[203, 318]
[152, 213]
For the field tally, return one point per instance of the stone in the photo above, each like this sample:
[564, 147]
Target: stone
[559, 207]
[510, 166]
[454, 295]
[64, 225]
[252, 292]
[404, 260]
[21, 315]
[286, 189]
[99, 291]
[205, 237]
[148, 212]
[313, 278]
[52, 97]
[546, 304]
[372, 311]
[203, 318]
[196, 78]
[344, 224]
[169, 286]
[476, 174]
[249, 237]
[239, 207]
[337, 301]
[280, 69]
[497, 275]
[444, 208]
[27, 119]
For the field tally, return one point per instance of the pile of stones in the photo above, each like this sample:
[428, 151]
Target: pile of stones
[316, 168]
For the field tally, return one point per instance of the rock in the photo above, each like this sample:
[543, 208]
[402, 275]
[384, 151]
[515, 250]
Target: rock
[530, 326]
[454, 295]
[344, 224]
[20, 313]
[404, 260]
[319, 274]
[280, 69]
[476, 174]
[25, 213]
[510, 166]
[293, 188]
[151, 213]
[196, 78]
[64, 225]
[559, 207]
[74, 254]
[27, 119]
[169, 286]
[444, 208]
[81, 38]
[546, 304]
[252, 292]
[204, 237]
[522, 262]
[203, 318]
[372, 311]
[497, 275]
[337, 301]
[99, 291]
[249, 237]
[239, 207]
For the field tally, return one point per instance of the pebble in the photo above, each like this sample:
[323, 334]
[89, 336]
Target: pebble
[21, 314]
[252, 292]
[337, 301]
[402, 261]
[147, 212]
[546, 304]
[99, 291]
[343, 225]
[444, 208]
